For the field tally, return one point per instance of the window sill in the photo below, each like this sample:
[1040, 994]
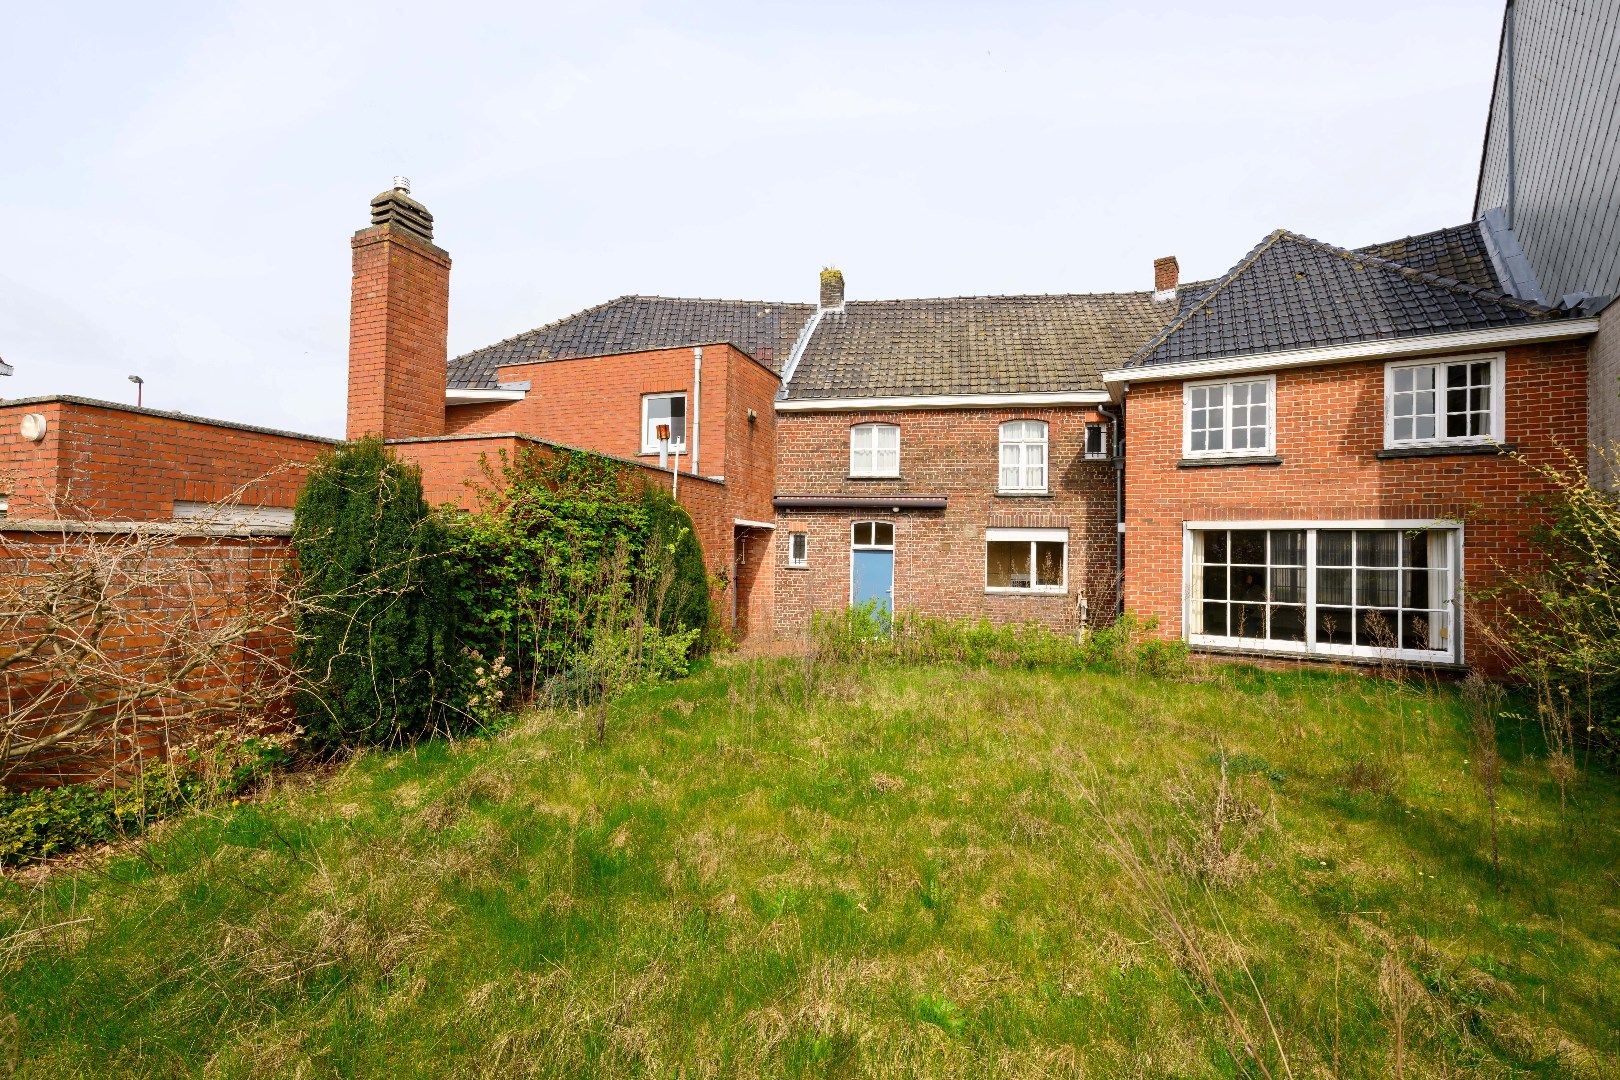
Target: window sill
[863, 479]
[797, 566]
[672, 455]
[991, 591]
[1227, 462]
[1457, 450]
[1023, 495]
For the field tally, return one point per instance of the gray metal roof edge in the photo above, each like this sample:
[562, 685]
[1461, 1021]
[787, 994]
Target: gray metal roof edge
[118, 406]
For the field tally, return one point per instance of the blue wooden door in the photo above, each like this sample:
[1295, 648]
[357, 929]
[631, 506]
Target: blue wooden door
[873, 579]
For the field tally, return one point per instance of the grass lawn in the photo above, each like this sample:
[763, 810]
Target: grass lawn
[770, 870]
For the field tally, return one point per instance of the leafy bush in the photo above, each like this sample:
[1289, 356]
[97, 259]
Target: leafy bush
[37, 825]
[565, 557]
[1559, 615]
[375, 619]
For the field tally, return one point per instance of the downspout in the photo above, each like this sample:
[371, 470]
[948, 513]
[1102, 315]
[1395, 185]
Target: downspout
[697, 401]
[1117, 415]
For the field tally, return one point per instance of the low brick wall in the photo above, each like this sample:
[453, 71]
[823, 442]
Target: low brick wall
[167, 589]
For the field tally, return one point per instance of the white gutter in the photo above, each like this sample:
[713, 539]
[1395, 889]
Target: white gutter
[697, 401]
[942, 401]
[1557, 330]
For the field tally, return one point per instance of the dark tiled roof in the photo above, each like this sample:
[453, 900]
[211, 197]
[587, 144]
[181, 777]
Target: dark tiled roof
[764, 330]
[1292, 292]
[974, 345]
[1457, 253]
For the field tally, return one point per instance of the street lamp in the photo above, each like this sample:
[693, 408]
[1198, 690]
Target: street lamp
[139, 382]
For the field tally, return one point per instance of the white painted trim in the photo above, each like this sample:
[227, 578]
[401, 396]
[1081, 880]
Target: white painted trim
[1045, 443]
[745, 523]
[894, 604]
[943, 401]
[1556, 330]
[1498, 432]
[675, 448]
[462, 396]
[874, 427]
[804, 561]
[1267, 450]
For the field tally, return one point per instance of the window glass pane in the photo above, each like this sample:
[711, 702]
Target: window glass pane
[1247, 620]
[1403, 380]
[1214, 583]
[1007, 564]
[886, 437]
[1422, 630]
[1334, 625]
[1200, 440]
[1288, 547]
[1332, 586]
[1424, 428]
[1376, 548]
[860, 438]
[1249, 546]
[1333, 547]
[883, 534]
[798, 547]
[1403, 429]
[1288, 584]
[1423, 379]
[1376, 588]
[1217, 439]
[1287, 623]
[863, 533]
[1375, 628]
[1214, 619]
[1049, 562]
[1248, 583]
[1215, 546]
[1456, 375]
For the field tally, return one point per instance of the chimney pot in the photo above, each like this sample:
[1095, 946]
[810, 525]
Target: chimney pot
[832, 289]
[402, 183]
[1166, 276]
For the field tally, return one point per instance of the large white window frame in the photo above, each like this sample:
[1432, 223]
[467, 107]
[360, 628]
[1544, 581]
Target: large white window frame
[1324, 567]
[1023, 457]
[1228, 407]
[1419, 390]
[649, 423]
[1039, 543]
[874, 450]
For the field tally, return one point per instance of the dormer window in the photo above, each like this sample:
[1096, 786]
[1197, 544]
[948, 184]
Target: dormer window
[874, 450]
[1431, 403]
[1023, 457]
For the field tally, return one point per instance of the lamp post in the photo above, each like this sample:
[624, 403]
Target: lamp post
[139, 384]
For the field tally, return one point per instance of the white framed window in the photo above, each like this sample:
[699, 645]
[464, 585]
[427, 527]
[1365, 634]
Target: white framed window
[1026, 560]
[798, 549]
[1434, 403]
[659, 409]
[874, 450]
[872, 536]
[1230, 418]
[1382, 590]
[1097, 442]
[1023, 456]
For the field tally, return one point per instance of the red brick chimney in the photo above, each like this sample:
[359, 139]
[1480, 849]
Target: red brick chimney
[1166, 276]
[399, 320]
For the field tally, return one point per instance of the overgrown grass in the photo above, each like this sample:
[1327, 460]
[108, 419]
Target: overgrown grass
[794, 868]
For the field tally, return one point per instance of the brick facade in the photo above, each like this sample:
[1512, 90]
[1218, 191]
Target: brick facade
[1329, 430]
[399, 323]
[939, 566]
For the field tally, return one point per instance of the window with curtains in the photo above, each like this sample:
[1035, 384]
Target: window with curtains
[1336, 591]
[1023, 456]
[1429, 403]
[874, 450]
[1232, 418]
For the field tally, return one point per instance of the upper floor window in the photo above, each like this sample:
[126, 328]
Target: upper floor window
[1449, 401]
[660, 409]
[874, 450]
[1097, 442]
[1023, 455]
[1232, 418]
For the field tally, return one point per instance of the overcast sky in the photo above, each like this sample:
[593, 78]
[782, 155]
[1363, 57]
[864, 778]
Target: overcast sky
[178, 181]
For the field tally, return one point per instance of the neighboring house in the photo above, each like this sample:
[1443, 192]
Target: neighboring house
[1550, 173]
[955, 456]
[1317, 452]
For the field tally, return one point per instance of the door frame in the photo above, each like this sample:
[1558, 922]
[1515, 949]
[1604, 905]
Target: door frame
[889, 547]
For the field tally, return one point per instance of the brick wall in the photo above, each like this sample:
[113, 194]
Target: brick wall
[105, 461]
[399, 320]
[1329, 428]
[940, 555]
[194, 581]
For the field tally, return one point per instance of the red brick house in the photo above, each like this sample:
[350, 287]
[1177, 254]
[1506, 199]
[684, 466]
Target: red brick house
[1318, 446]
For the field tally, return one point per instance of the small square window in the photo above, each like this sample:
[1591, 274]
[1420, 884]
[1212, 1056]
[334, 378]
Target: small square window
[663, 410]
[798, 549]
[1097, 442]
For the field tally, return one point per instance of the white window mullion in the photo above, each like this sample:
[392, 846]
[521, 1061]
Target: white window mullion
[1310, 590]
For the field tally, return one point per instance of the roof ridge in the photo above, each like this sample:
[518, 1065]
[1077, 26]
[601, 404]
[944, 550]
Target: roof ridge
[1474, 292]
[1231, 275]
[1000, 296]
[1416, 236]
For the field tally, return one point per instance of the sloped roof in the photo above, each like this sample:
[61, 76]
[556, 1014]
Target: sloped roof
[1292, 292]
[1457, 253]
[973, 345]
[764, 330]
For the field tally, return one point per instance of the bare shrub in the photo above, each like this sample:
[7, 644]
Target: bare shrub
[1219, 824]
